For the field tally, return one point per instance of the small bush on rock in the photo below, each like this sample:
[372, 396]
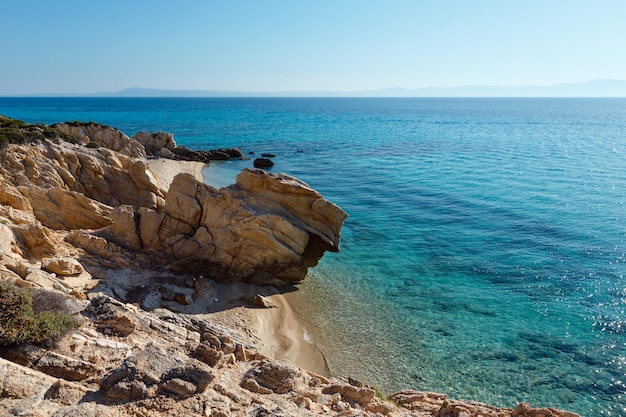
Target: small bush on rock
[22, 322]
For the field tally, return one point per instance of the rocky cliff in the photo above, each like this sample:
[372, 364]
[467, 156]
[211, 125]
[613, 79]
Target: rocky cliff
[267, 228]
[82, 217]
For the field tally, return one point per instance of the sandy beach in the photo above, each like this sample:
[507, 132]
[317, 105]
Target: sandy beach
[278, 331]
[166, 169]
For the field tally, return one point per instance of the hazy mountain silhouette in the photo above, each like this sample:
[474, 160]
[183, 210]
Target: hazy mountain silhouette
[593, 88]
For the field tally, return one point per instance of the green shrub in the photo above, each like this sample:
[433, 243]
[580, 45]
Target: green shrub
[92, 145]
[27, 316]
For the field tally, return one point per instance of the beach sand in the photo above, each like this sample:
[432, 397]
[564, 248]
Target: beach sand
[166, 169]
[278, 332]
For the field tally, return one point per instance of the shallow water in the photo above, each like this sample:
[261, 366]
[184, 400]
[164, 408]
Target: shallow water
[484, 253]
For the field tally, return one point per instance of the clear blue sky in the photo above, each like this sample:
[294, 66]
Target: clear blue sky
[88, 46]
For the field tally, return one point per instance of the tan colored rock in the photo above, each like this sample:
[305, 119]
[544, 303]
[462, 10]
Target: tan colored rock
[66, 393]
[57, 208]
[238, 233]
[17, 381]
[10, 196]
[41, 279]
[154, 142]
[166, 153]
[422, 401]
[62, 266]
[524, 410]
[104, 136]
[36, 241]
[350, 393]
[65, 367]
[74, 173]
[6, 239]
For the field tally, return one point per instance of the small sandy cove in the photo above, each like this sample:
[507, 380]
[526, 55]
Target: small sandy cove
[278, 331]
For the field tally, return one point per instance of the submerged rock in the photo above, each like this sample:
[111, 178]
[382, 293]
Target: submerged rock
[263, 163]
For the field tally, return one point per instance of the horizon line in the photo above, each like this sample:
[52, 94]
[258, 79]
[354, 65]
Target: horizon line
[586, 89]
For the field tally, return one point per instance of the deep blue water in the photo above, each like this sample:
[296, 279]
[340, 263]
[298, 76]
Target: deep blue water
[484, 255]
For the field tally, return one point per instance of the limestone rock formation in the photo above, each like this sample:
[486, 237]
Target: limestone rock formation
[104, 136]
[266, 228]
[154, 142]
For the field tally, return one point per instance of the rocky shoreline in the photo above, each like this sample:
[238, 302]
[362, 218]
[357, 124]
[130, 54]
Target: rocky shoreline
[177, 285]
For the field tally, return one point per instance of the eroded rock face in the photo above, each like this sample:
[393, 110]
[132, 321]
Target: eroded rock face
[70, 186]
[154, 142]
[156, 369]
[104, 136]
[267, 228]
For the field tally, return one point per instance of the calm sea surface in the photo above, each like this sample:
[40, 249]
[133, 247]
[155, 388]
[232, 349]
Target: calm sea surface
[485, 251]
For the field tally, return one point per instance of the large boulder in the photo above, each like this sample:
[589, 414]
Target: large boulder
[104, 136]
[154, 142]
[154, 371]
[266, 228]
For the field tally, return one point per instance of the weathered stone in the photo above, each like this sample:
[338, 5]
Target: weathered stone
[141, 375]
[61, 366]
[194, 372]
[420, 401]
[58, 208]
[154, 142]
[260, 301]
[17, 381]
[6, 239]
[111, 316]
[179, 388]
[524, 410]
[277, 376]
[65, 392]
[166, 153]
[25, 355]
[36, 241]
[104, 136]
[268, 228]
[208, 354]
[62, 266]
[351, 393]
[41, 278]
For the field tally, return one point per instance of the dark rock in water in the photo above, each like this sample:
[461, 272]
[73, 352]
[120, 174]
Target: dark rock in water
[263, 163]
[268, 155]
[187, 154]
[250, 153]
[233, 153]
[216, 155]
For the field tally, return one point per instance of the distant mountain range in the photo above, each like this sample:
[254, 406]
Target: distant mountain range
[594, 88]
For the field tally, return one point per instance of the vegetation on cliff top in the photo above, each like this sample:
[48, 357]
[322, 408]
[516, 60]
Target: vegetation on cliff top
[19, 132]
[28, 316]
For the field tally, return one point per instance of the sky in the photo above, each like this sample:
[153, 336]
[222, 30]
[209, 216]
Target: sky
[68, 46]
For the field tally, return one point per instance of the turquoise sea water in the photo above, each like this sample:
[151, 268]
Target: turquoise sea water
[485, 251]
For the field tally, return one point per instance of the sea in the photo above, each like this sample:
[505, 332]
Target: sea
[484, 256]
